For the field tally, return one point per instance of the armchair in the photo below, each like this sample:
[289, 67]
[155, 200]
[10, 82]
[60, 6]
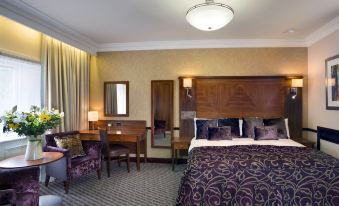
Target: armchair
[67, 168]
[19, 187]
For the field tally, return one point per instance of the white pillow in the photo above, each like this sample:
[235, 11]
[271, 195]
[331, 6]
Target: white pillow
[241, 122]
[287, 128]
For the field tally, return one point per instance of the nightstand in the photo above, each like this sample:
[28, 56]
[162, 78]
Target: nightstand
[305, 142]
[179, 143]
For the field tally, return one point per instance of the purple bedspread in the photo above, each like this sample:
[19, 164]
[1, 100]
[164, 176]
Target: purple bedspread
[259, 175]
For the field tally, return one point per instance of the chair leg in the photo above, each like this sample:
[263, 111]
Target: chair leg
[127, 162]
[47, 180]
[99, 174]
[119, 161]
[66, 186]
[108, 167]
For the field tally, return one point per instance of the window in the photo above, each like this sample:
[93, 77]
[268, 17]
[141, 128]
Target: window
[20, 84]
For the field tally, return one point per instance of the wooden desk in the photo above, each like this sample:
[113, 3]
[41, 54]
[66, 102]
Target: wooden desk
[134, 138]
[20, 162]
[177, 144]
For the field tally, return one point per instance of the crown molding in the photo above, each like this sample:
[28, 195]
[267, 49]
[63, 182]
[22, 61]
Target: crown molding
[195, 44]
[323, 31]
[29, 16]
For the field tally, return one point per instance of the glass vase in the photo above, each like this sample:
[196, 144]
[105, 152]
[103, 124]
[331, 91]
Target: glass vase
[34, 148]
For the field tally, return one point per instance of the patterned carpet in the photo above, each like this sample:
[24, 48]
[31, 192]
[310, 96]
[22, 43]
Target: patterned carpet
[155, 184]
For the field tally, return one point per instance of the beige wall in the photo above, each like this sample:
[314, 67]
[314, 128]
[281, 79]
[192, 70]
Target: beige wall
[19, 40]
[140, 67]
[318, 115]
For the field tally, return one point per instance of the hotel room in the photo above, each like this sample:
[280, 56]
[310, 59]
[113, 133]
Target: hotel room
[147, 102]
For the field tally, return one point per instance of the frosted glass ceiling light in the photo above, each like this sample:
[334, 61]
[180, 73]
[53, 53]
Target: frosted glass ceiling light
[209, 16]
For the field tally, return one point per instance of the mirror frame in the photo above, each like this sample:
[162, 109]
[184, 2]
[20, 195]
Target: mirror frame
[171, 112]
[127, 98]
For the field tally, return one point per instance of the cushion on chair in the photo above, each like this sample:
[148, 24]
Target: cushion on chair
[117, 150]
[72, 143]
[50, 200]
[49, 138]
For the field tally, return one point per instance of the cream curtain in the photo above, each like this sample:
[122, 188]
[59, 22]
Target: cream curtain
[66, 82]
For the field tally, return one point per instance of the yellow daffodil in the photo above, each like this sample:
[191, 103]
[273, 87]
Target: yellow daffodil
[13, 126]
[44, 117]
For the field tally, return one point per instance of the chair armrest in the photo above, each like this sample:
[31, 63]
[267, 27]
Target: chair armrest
[92, 148]
[21, 179]
[8, 196]
[57, 149]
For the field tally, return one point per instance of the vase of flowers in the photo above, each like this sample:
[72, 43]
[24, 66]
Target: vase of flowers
[33, 125]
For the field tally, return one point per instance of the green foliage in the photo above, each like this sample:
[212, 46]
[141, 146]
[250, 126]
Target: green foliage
[32, 123]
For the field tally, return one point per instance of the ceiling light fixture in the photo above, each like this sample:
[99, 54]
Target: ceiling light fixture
[209, 16]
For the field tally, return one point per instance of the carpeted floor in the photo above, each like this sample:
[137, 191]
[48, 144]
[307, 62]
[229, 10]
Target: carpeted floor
[155, 184]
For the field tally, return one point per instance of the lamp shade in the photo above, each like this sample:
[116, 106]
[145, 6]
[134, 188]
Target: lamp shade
[187, 83]
[297, 82]
[209, 16]
[93, 116]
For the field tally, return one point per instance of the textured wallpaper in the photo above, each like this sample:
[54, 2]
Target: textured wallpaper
[140, 67]
[317, 113]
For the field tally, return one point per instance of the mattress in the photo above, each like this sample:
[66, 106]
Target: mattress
[242, 141]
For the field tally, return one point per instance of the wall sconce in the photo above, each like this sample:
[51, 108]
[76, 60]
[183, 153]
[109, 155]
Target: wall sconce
[188, 86]
[296, 83]
[93, 116]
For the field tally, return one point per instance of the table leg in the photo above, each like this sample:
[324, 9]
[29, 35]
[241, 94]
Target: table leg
[176, 156]
[138, 154]
[145, 149]
[173, 150]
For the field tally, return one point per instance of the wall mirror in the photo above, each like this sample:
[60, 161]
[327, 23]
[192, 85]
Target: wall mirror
[162, 113]
[116, 99]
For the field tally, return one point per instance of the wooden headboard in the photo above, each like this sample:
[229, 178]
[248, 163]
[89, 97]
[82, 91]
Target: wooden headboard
[240, 96]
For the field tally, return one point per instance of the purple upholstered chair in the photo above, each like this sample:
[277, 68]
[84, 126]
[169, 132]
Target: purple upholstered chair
[68, 169]
[160, 127]
[19, 187]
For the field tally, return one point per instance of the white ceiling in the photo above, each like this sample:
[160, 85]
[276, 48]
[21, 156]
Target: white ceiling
[112, 21]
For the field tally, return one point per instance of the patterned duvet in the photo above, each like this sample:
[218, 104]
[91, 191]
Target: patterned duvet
[259, 175]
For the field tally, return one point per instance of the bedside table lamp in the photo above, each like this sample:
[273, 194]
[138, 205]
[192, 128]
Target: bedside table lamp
[93, 117]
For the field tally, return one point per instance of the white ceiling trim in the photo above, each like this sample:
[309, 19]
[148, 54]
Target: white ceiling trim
[323, 31]
[194, 44]
[29, 16]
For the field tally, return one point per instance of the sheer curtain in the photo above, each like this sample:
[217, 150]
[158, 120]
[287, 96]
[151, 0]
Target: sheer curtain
[66, 82]
[20, 83]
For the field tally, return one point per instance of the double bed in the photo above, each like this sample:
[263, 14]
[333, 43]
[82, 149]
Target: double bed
[244, 171]
[252, 170]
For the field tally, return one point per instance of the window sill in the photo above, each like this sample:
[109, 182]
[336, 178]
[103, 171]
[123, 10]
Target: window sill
[10, 137]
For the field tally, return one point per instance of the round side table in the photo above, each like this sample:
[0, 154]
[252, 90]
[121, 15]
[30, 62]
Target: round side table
[20, 162]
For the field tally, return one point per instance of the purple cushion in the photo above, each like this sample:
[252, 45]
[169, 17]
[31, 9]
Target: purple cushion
[202, 126]
[233, 123]
[249, 124]
[279, 123]
[266, 133]
[219, 133]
